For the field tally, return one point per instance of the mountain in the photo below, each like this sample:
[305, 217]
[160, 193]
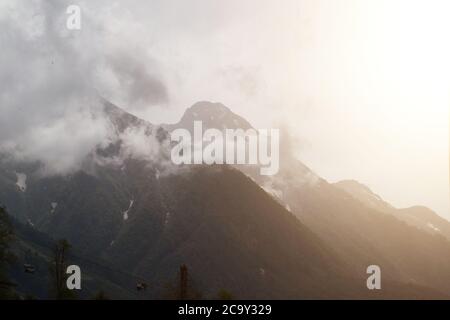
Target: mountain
[361, 232]
[418, 216]
[36, 249]
[292, 235]
[362, 193]
[212, 115]
[137, 217]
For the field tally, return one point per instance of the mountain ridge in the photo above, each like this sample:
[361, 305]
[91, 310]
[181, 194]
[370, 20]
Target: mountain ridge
[149, 218]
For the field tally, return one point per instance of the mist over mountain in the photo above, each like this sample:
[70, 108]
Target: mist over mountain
[86, 160]
[292, 235]
[359, 225]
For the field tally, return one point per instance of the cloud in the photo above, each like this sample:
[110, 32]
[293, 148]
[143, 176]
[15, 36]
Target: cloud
[341, 87]
[61, 146]
[50, 78]
[132, 81]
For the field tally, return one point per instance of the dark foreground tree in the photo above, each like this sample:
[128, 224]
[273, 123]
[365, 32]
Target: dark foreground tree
[58, 269]
[6, 234]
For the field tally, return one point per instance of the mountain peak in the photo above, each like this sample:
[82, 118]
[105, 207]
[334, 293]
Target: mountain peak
[121, 119]
[208, 106]
[212, 115]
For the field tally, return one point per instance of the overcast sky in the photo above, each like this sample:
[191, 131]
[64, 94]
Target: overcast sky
[363, 85]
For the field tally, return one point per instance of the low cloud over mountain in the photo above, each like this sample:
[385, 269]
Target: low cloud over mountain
[50, 80]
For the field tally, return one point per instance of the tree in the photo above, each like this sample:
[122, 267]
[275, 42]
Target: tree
[58, 270]
[6, 234]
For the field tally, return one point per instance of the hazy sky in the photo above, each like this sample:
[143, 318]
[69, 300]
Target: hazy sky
[363, 85]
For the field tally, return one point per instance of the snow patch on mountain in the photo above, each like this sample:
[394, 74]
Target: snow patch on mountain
[30, 223]
[270, 189]
[125, 213]
[166, 218]
[21, 181]
[432, 226]
[53, 206]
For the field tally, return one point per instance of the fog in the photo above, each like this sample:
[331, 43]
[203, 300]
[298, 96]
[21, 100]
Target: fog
[362, 85]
